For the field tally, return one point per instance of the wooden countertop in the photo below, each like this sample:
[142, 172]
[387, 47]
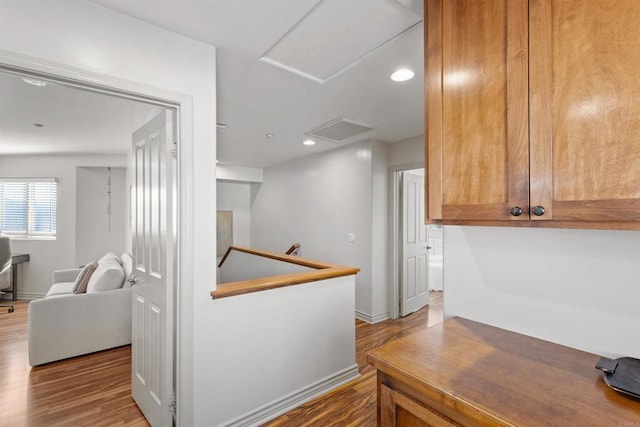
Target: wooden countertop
[497, 377]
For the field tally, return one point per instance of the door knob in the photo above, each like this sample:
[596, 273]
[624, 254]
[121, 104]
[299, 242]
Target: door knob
[427, 247]
[132, 280]
[516, 211]
[538, 211]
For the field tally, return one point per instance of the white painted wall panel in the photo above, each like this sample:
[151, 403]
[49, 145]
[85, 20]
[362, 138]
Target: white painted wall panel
[277, 342]
[317, 201]
[407, 151]
[380, 291]
[579, 288]
[236, 197]
[50, 255]
[96, 233]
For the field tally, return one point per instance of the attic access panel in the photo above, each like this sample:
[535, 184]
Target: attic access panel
[335, 34]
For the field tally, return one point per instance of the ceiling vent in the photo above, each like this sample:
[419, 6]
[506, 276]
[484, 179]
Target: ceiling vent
[339, 130]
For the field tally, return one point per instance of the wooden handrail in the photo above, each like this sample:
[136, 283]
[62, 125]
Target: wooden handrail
[224, 257]
[254, 251]
[292, 249]
[319, 271]
[282, 257]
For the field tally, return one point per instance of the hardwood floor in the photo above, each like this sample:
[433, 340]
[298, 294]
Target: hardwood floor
[94, 390]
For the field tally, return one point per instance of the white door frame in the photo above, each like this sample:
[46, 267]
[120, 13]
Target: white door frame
[394, 235]
[183, 104]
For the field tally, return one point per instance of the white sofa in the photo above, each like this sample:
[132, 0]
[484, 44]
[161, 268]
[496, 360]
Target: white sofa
[64, 324]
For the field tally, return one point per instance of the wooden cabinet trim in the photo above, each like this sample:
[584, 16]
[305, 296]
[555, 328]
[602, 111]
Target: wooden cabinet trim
[517, 106]
[594, 225]
[433, 108]
[391, 399]
[540, 111]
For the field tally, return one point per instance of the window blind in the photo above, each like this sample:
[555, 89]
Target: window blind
[28, 207]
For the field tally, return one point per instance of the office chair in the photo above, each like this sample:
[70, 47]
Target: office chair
[5, 267]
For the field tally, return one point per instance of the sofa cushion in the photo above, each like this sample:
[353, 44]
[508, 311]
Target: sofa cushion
[127, 266]
[83, 278]
[110, 256]
[108, 276]
[61, 288]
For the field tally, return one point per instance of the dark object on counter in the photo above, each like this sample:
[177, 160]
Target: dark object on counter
[621, 374]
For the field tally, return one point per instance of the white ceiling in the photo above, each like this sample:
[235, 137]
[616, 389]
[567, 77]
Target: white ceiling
[75, 120]
[256, 98]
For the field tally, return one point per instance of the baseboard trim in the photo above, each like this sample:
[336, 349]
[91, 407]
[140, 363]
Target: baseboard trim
[372, 319]
[290, 401]
[30, 295]
[23, 296]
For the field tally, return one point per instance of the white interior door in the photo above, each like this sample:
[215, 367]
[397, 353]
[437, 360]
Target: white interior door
[152, 320]
[414, 248]
[435, 235]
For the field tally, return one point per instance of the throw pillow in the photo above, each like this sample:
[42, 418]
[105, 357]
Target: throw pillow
[80, 276]
[81, 285]
[108, 276]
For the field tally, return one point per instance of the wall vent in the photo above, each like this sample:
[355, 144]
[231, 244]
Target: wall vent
[339, 130]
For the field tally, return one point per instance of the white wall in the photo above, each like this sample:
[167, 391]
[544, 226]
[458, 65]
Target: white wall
[96, 233]
[579, 288]
[236, 197]
[49, 255]
[317, 201]
[227, 173]
[405, 152]
[84, 36]
[287, 340]
[379, 232]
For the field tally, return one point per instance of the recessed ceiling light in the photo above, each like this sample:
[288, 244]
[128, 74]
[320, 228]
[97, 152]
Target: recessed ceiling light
[222, 125]
[402, 75]
[34, 82]
[309, 142]
[268, 135]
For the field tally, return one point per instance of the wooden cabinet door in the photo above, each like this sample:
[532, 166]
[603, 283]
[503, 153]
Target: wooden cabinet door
[476, 109]
[396, 409]
[585, 109]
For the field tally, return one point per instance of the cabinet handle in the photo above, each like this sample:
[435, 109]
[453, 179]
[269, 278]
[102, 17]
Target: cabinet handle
[538, 211]
[516, 211]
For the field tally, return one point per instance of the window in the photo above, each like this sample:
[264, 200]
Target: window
[28, 207]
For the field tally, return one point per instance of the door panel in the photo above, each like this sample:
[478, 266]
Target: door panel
[152, 347]
[585, 123]
[155, 351]
[138, 366]
[414, 267]
[476, 117]
[436, 257]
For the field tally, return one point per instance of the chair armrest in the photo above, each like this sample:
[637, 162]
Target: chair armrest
[68, 275]
[70, 325]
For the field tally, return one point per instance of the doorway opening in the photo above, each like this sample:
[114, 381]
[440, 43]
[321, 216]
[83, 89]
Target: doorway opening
[416, 261]
[163, 229]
